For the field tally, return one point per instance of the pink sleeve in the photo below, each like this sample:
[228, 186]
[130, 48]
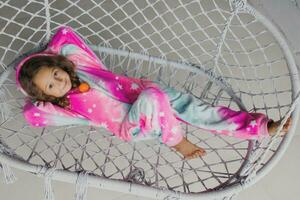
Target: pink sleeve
[47, 114]
[65, 36]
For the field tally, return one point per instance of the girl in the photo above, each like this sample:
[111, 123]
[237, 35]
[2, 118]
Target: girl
[70, 85]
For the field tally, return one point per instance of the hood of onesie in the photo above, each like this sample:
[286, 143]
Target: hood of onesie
[20, 65]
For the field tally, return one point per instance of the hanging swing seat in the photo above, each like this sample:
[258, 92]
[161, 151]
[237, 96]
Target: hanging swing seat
[222, 52]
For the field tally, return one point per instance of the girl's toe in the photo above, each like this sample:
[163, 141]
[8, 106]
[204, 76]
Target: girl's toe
[198, 153]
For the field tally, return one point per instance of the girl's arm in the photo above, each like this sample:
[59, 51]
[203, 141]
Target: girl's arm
[41, 114]
[66, 42]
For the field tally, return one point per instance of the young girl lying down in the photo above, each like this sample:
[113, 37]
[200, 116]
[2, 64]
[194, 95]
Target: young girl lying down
[69, 84]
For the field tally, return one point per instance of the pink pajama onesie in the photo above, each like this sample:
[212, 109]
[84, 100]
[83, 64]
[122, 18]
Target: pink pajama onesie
[130, 108]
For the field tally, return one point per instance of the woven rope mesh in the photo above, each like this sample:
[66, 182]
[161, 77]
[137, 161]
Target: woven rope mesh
[213, 39]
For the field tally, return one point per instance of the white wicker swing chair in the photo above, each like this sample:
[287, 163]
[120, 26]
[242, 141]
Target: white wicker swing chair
[223, 52]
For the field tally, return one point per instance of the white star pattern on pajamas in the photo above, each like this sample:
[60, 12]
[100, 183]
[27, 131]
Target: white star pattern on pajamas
[90, 110]
[104, 125]
[134, 86]
[119, 87]
[36, 114]
[117, 77]
[253, 123]
[65, 31]
[161, 114]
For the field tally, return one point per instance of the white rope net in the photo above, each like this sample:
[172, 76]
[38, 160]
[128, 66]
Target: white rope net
[216, 50]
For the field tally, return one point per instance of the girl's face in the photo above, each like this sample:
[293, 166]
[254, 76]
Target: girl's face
[53, 81]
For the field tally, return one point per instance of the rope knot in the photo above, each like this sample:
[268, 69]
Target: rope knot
[137, 175]
[238, 4]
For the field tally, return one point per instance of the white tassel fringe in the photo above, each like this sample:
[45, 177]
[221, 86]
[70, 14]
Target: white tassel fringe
[48, 191]
[8, 174]
[81, 186]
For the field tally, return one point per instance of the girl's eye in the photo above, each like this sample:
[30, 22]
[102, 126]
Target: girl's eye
[50, 86]
[55, 73]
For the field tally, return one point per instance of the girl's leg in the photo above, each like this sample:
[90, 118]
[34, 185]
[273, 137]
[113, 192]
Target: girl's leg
[151, 116]
[217, 119]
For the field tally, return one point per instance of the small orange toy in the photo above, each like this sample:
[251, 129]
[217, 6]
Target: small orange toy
[84, 87]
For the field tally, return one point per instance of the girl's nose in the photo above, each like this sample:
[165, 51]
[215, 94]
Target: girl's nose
[59, 82]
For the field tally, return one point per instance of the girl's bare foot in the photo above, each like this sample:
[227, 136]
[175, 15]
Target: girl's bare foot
[273, 126]
[188, 149]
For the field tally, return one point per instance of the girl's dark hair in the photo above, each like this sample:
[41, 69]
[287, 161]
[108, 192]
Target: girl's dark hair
[31, 67]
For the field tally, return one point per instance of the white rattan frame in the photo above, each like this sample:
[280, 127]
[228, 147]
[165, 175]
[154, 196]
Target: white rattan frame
[256, 163]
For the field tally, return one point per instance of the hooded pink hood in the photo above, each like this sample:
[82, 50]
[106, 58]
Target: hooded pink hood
[67, 43]
[64, 35]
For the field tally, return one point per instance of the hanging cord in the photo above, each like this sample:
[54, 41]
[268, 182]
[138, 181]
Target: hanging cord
[176, 196]
[9, 176]
[164, 193]
[48, 174]
[137, 175]
[234, 10]
[48, 18]
[45, 39]
[81, 186]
